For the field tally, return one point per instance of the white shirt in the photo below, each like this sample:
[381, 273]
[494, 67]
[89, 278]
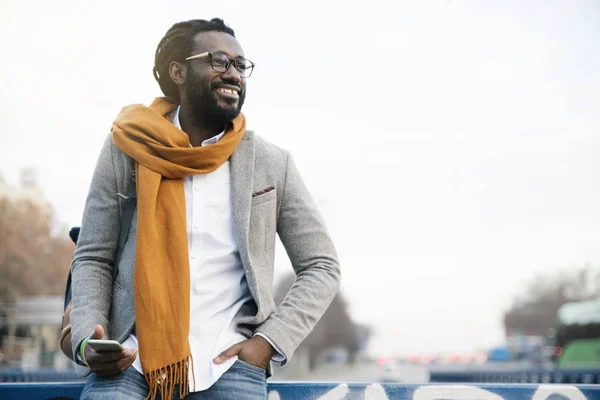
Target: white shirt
[218, 286]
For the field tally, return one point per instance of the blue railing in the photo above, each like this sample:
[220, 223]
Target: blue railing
[355, 391]
[570, 376]
[562, 376]
[47, 374]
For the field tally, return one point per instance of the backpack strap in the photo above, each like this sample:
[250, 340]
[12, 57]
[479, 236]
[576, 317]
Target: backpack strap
[74, 235]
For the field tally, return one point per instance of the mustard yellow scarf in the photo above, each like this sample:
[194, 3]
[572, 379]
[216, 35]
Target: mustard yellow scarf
[162, 274]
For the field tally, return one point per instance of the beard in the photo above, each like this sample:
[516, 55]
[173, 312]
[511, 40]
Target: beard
[204, 104]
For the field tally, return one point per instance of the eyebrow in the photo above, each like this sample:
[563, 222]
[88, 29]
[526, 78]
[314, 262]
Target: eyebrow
[230, 56]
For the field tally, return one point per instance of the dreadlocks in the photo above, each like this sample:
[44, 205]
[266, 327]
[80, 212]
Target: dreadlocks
[177, 43]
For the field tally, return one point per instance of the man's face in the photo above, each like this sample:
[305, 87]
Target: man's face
[214, 97]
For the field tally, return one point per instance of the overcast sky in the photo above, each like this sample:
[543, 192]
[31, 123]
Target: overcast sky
[453, 146]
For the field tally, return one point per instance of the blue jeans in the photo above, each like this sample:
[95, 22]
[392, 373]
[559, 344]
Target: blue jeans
[242, 381]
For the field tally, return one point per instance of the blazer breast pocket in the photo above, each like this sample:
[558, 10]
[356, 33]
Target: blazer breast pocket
[264, 197]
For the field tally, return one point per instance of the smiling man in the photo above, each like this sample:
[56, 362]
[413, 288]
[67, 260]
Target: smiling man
[184, 279]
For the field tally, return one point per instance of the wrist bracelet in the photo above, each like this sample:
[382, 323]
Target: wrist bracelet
[82, 350]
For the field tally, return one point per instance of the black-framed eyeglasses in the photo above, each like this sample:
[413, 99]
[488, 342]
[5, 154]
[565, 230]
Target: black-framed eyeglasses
[220, 62]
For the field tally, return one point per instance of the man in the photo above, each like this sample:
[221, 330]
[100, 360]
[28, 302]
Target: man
[190, 293]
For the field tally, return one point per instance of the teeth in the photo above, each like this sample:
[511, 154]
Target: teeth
[228, 91]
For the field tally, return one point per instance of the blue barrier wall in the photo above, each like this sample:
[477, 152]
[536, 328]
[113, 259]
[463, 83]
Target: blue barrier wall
[353, 391]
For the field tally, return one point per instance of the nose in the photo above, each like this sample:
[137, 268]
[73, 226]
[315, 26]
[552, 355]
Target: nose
[232, 74]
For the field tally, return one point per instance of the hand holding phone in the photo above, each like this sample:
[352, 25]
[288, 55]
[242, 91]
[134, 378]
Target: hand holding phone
[107, 357]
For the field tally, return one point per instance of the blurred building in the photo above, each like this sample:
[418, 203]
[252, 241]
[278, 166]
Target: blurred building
[27, 188]
[37, 324]
[41, 317]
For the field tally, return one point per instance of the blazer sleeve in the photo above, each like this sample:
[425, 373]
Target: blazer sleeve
[94, 257]
[314, 259]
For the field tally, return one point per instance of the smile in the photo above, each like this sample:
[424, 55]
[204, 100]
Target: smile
[228, 92]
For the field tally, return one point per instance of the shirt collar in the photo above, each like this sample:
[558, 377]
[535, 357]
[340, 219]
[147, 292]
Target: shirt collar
[211, 140]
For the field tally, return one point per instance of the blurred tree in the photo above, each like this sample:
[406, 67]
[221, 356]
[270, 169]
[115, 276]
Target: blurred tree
[33, 261]
[534, 311]
[334, 330]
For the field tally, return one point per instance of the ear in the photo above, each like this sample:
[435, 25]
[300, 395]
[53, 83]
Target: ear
[177, 72]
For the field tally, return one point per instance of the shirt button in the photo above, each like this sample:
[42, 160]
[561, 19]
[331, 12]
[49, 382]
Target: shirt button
[196, 188]
[193, 257]
[195, 226]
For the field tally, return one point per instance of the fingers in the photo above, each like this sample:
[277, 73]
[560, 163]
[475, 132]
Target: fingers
[98, 332]
[228, 354]
[126, 362]
[113, 363]
[94, 357]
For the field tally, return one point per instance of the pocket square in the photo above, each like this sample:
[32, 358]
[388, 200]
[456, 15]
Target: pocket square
[263, 191]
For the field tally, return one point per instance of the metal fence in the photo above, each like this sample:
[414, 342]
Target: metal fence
[16, 375]
[562, 376]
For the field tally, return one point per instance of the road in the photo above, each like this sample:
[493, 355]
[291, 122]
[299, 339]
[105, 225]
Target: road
[358, 372]
[364, 371]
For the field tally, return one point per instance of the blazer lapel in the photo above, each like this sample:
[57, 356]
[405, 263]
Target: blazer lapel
[242, 180]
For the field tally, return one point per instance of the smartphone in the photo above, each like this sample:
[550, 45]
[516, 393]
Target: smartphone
[101, 346]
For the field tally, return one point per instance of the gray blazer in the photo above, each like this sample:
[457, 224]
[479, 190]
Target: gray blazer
[104, 295]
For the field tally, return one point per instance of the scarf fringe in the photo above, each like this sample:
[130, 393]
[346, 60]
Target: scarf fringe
[164, 380]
